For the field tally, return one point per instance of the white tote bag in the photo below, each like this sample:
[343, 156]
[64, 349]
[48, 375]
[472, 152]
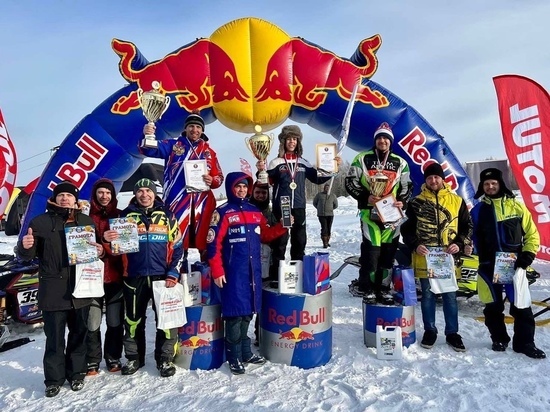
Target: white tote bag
[522, 296]
[169, 305]
[89, 280]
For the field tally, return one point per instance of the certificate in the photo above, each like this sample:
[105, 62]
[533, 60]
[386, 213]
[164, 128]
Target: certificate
[441, 271]
[194, 171]
[387, 212]
[504, 267]
[79, 249]
[326, 152]
[128, 238]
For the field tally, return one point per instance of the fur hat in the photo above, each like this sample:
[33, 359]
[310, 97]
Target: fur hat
[492, 174]
[66, 187]
[194, 118]
[384, 130]
[145, 183]
[434, 169]
[290, 131]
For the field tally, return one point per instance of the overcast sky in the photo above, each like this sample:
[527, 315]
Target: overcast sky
[438, 56]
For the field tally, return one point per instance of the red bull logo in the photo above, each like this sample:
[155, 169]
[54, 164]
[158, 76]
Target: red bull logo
[245, 89]
[298, 317]
[211, 78]
[306, 85]
[201, 327]
[296, 335]
[403, 322]
[414, 144]
[194, 342]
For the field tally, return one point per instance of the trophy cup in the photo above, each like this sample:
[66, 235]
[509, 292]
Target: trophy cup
[378, 183]
[154, 104]
[260, 146]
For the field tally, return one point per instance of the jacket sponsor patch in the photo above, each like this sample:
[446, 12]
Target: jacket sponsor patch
[210, 235]
[215, 218]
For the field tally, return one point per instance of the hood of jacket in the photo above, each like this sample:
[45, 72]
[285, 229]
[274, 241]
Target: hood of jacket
[231, 181]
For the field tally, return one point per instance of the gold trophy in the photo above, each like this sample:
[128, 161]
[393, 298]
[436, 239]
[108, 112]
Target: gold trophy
[378, 183]
[260, 146]
[154, 104]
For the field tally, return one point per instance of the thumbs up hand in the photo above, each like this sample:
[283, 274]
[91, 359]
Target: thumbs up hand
[28, 240]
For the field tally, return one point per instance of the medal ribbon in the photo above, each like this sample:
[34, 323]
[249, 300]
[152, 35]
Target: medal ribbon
[292, 170]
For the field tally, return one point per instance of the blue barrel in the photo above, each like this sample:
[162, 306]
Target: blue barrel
[201, 343]
[402, 316]
[296, 329]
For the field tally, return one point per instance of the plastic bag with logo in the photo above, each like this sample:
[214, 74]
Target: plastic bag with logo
[169, 305]
[89, 280]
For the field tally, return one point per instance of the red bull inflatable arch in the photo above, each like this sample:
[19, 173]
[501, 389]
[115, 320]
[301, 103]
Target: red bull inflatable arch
[248, 72]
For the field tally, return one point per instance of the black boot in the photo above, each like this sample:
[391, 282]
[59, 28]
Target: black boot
[325, 241]
[233, 355]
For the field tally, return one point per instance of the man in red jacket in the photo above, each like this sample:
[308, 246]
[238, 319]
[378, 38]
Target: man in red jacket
[103, 206]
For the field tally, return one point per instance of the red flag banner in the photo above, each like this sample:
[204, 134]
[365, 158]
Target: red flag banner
[524, 108]
[8, 166]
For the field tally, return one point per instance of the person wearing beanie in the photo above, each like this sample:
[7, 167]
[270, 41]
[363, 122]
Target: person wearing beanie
[437, 218]
[379, 241]
[502, 224]
[236, 232]
[288, 173]
[64, 358]
[192, 207]
[158, 259]
[103, 207]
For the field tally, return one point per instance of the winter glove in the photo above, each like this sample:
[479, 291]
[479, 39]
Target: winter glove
[524, 259]
[171, 280]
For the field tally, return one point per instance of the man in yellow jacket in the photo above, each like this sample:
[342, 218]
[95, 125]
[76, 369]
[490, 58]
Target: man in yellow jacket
[503, 224]
[437, 217]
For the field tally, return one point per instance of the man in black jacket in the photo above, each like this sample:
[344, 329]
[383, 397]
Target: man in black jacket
[46, 240]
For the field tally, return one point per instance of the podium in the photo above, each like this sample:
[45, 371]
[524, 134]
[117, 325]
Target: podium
[201, 339]
[296, 329]
[384, 315]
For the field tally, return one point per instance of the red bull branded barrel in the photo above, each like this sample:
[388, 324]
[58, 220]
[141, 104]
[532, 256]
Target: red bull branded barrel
[402, 316]
[200, 344]
[296, 329]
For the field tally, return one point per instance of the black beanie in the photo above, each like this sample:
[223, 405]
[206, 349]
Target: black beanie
[434, 169]
[194, 118]
[106, 185]
[66, 187]
[492, 174]
[145, 183]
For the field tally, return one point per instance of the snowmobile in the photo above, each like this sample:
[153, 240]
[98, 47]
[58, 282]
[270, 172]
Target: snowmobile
[466, 271]
[18, 297]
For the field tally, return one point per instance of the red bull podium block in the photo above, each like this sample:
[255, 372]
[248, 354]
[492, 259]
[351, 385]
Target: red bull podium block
[200, 344]
[296, 329]
[402, 316]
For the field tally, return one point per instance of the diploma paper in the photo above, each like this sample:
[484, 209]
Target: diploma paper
[504, 267]
[78, 240]
[441, 271]
[387, 212]
[194, 170]
[128, 238]
[326, 153]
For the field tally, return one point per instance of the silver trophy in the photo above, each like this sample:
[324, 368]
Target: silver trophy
[260, 146]
[154, 104]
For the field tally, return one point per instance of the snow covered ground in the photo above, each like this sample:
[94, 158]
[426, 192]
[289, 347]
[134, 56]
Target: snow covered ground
[354, 380]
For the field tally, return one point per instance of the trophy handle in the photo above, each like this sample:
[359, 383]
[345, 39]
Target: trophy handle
[166, 104]
[246, 140]
[140, 95]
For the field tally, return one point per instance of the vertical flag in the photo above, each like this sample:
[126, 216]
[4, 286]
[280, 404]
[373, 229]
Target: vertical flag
[524, 108]
[8, 166]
